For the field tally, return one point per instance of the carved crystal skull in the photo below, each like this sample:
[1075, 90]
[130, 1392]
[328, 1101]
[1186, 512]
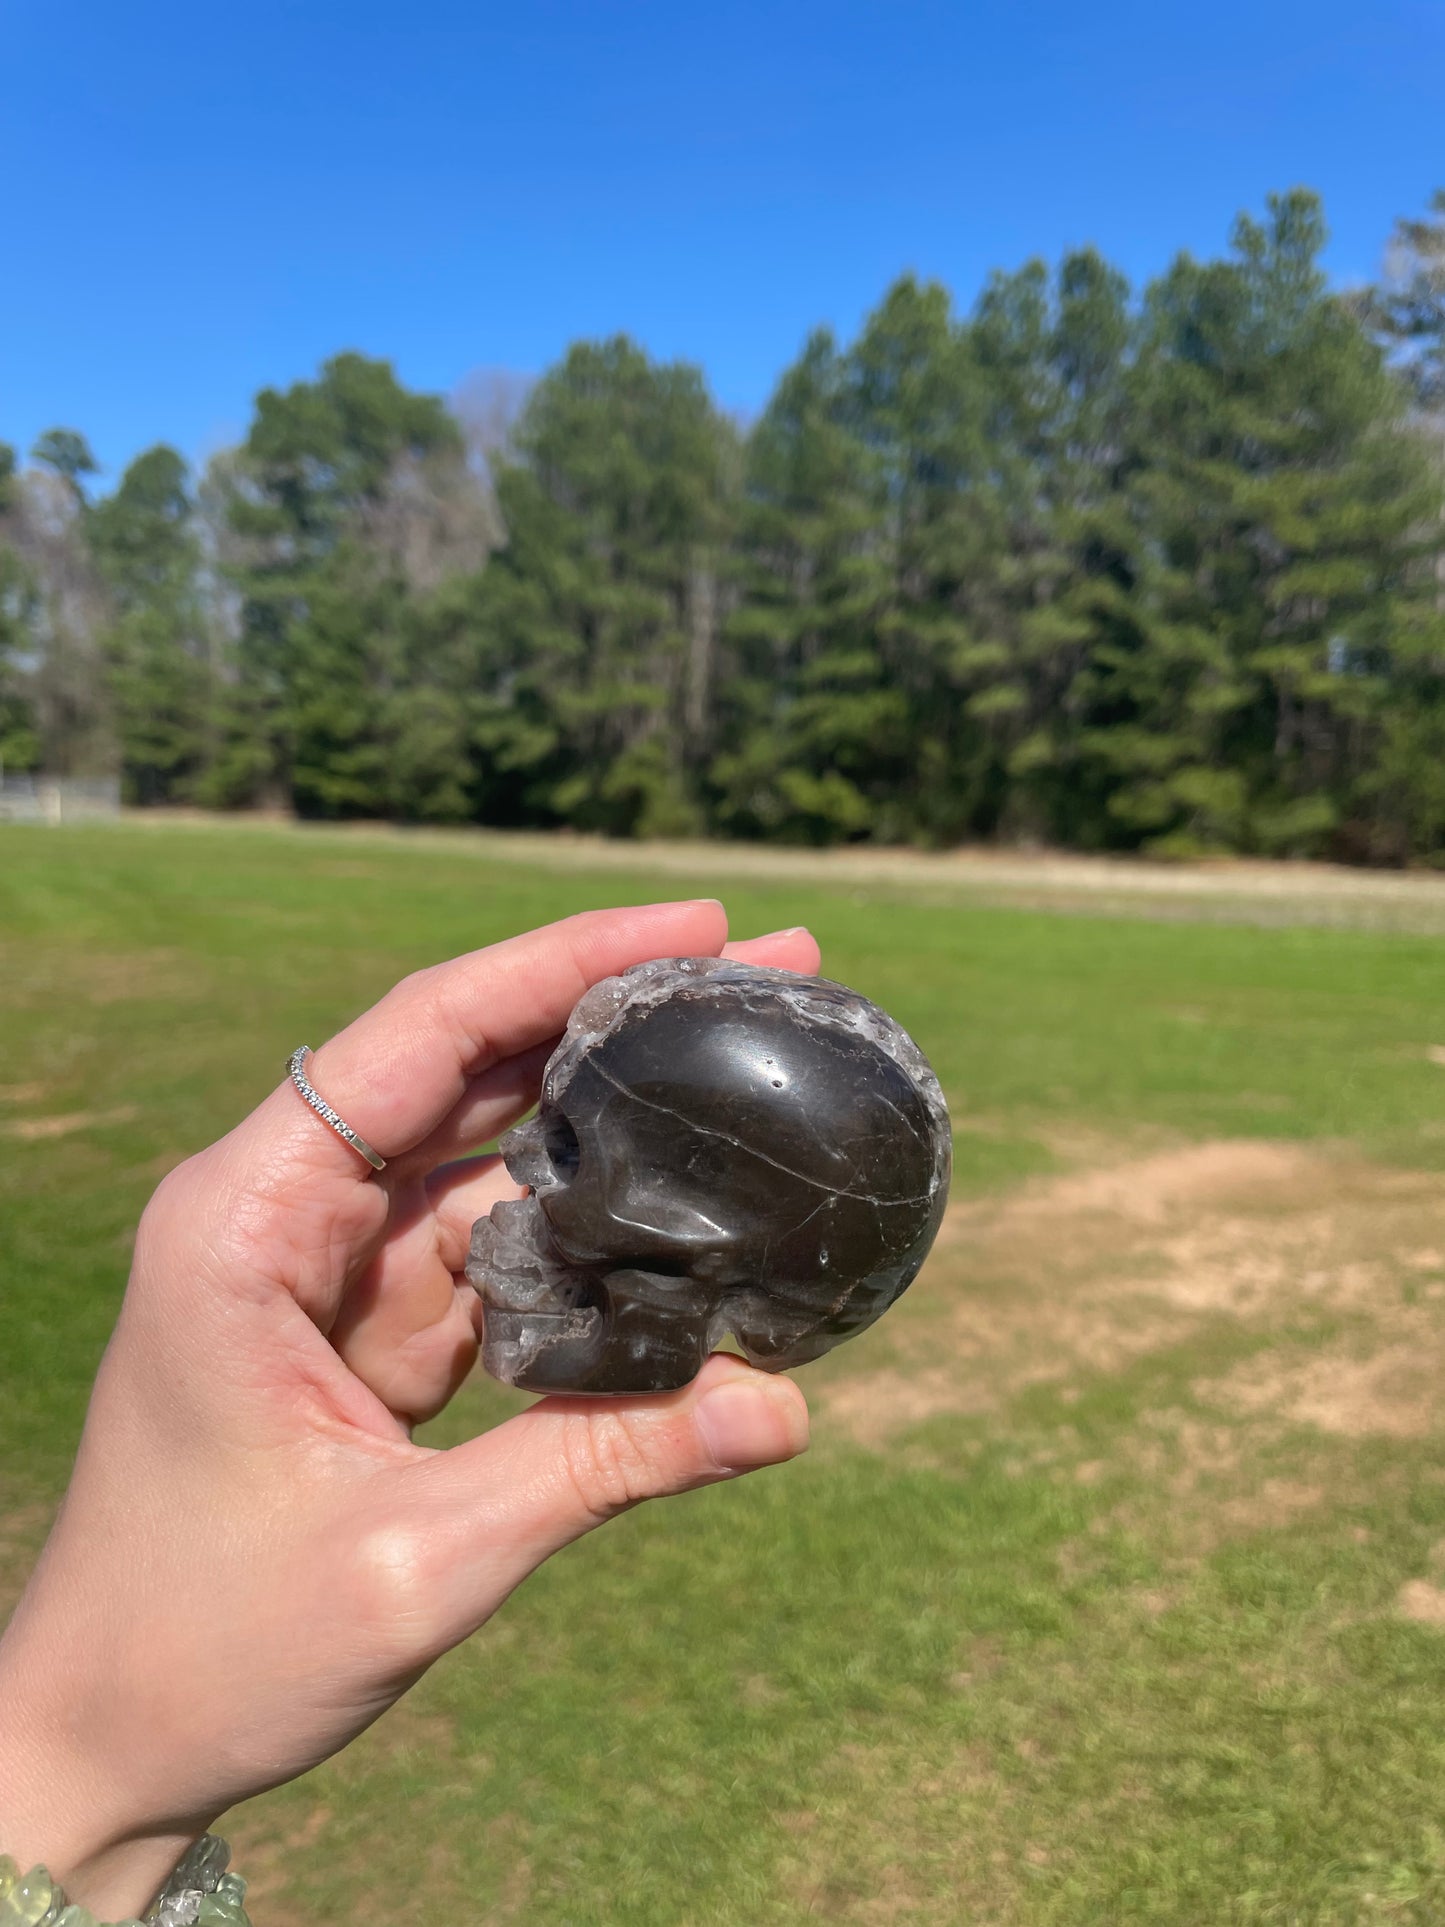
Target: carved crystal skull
[720, 1149]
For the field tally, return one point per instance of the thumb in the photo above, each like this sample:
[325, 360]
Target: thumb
[500, 1504]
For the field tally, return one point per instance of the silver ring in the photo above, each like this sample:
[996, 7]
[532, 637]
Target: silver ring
[296, 1068]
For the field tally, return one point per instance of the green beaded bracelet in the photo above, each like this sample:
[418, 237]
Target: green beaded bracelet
[200, 1893]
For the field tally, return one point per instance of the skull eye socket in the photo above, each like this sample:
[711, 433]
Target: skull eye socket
[564, 1152]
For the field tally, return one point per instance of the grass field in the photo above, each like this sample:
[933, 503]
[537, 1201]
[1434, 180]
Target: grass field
[1113, 1589]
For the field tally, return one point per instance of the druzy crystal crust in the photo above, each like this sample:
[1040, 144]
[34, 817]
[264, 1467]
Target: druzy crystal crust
[720, 1149]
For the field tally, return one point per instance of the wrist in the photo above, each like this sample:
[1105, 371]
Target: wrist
[62, 1804]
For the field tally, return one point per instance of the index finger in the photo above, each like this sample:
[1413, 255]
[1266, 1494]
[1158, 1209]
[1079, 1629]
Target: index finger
[397, 1070]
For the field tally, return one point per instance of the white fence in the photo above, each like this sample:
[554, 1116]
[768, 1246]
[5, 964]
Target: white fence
[58, 799]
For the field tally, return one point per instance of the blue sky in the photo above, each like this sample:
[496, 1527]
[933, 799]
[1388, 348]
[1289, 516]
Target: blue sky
[203, 200]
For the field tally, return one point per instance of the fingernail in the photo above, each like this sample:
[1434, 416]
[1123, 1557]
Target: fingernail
[745, 1424]
[793, 930]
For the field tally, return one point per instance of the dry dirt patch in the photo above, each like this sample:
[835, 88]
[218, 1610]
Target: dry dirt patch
[1417, 1599]
[33, 1129]
[1151, 1190]
[1392, 1392]
[94, 978]
[1086, 1272]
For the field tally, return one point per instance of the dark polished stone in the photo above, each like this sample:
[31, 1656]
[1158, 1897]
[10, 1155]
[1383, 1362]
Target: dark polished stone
[720, 1149]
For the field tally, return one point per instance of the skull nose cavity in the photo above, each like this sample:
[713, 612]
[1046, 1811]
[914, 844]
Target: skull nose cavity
[564, 1152]
[543, 1153]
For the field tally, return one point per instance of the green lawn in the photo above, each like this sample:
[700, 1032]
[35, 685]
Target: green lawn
[1113, 1589]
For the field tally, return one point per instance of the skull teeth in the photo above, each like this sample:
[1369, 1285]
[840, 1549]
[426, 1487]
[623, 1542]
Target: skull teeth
[512, 1267]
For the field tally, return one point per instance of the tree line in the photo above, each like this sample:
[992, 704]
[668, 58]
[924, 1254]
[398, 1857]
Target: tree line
[1160, 573]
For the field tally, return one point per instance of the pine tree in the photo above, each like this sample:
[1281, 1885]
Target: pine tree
[1409, 308]
[1054, 355]
[917, 400]
[323, 574]
[598, 615]
[1406, 786]
[801, 709]
[144, 541]
[1275, 498]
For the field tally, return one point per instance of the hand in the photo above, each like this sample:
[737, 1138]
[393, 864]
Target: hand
[254, 1560]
